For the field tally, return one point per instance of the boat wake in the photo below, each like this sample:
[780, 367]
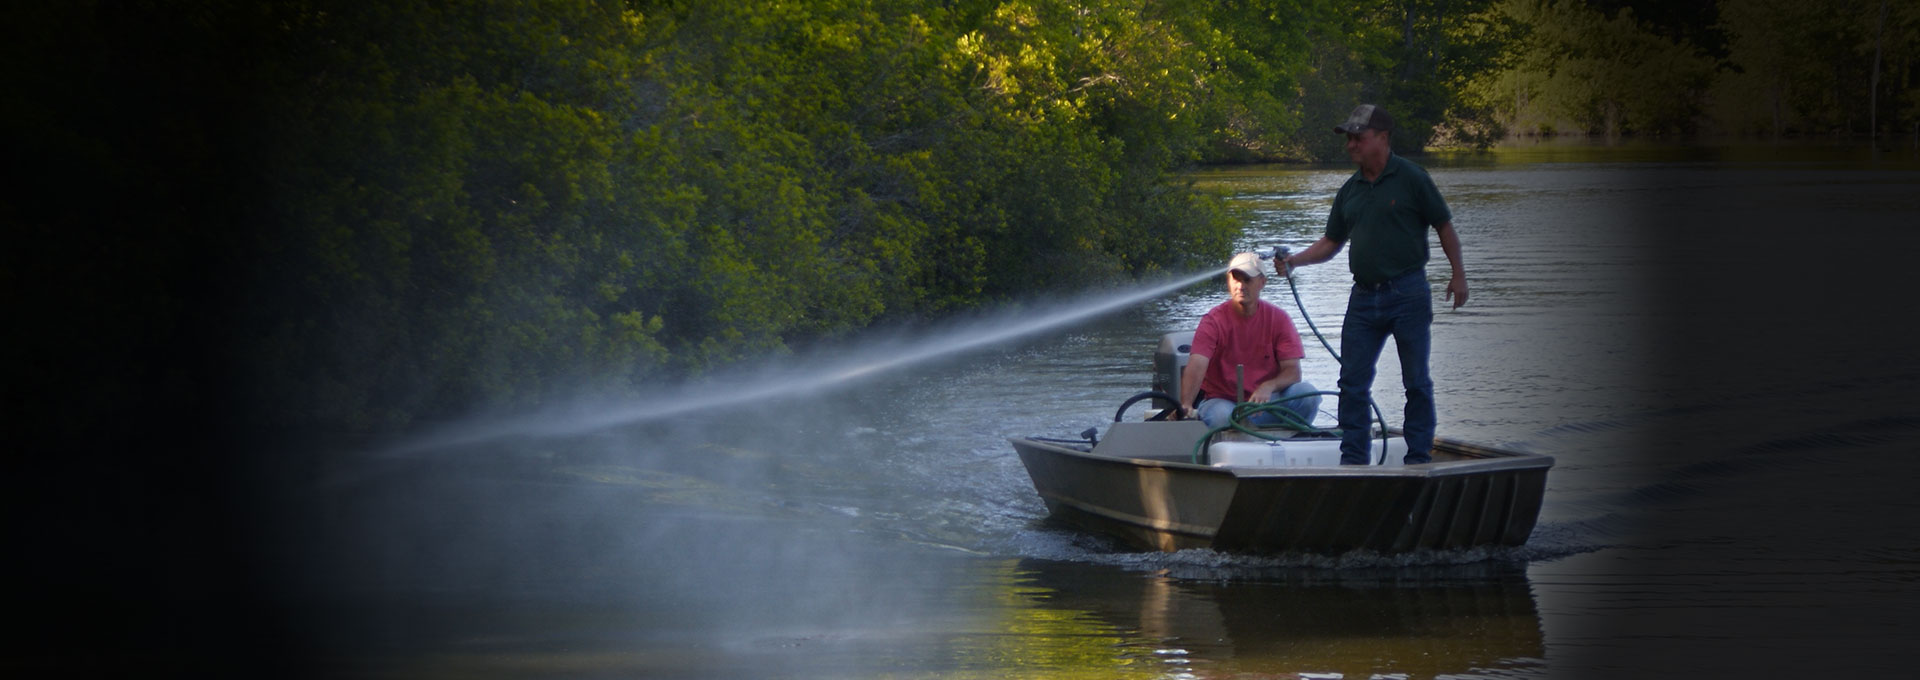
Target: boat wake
[1060, 544]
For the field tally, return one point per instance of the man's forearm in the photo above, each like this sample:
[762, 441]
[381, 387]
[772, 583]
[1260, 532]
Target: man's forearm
[1287, 377]
[1450, 244]
[1321, 251]
[1190, 379]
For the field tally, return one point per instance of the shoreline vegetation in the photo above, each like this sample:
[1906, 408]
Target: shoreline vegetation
[354, 216]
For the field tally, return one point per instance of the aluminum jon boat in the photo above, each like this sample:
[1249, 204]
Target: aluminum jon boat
[1175, 484]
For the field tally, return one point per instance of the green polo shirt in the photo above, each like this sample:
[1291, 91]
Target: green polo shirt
[1385, 221]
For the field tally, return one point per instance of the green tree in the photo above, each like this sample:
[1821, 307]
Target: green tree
[1410, 56]
[490, 204]
[1798, 68]
[1574, 70]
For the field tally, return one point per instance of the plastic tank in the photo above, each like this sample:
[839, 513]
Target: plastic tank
[1273, 454]
[1169, 360]
[1297, 453]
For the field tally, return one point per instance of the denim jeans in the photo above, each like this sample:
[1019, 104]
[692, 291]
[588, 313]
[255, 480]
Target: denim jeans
[1402, 308]
[1215, 412]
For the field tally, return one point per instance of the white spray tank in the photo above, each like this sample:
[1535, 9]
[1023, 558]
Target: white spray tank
[1268, 453]
[1273, 454]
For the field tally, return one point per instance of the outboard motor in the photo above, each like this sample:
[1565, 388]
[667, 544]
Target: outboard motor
[1168, 363]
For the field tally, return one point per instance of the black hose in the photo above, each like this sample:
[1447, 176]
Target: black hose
[1150, 394]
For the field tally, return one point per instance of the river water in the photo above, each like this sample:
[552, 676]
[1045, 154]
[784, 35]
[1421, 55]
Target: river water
[1714, 346]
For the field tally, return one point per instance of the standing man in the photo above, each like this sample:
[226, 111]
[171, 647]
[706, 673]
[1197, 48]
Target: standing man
[1246, 331]
[1385, 209]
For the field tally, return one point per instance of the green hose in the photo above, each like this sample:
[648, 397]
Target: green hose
[1244, 410]
[1247, 409]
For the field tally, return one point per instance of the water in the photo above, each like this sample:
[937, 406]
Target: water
[1711, 350]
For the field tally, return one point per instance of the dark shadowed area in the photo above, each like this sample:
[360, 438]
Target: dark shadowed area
[1711, 347]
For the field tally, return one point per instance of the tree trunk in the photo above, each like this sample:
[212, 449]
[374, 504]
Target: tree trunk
[1774, 98]
[1406, 42]
[1873, 94]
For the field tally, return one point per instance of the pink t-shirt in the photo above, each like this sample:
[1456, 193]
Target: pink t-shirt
[1259, 342]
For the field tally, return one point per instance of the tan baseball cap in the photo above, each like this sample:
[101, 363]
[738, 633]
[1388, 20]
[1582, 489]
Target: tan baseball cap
[1247, 263]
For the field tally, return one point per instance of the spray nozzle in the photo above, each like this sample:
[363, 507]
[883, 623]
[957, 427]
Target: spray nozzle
[1279, 257]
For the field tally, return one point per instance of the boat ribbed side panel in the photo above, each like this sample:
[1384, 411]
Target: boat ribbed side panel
[1309, 514]
[1271, 515]
[1395, 521]
[1331, 515]
[1529, 493]
[1365, 513]
[1436, 515]
[1466, 511]
[1415, 524]
[1496, 509]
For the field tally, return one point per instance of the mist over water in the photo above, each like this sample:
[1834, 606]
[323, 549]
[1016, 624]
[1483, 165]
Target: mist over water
[792, 377]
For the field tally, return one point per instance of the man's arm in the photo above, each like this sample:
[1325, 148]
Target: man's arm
[1450, 244]
[1289, 374]
[1190, 378]
[1321, 251]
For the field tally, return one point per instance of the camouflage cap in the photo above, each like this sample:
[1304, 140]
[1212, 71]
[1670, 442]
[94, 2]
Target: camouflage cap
[1365, 116]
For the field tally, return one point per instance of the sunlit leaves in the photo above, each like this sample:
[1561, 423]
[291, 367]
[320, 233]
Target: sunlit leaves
[492, 202]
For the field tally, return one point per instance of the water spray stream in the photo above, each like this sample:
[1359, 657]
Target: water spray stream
[875, 358]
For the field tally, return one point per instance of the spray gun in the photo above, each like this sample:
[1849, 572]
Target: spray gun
[1279, 257]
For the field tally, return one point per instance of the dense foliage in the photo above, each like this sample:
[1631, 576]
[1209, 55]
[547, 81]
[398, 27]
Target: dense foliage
[1772, 67]
[488, 202]
[351, 214]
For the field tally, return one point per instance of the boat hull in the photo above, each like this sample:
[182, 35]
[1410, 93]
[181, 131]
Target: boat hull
[1470, 496]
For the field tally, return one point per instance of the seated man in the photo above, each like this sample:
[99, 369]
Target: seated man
[1251, 332]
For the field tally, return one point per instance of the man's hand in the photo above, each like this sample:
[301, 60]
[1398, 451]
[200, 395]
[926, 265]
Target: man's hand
[1457, 291]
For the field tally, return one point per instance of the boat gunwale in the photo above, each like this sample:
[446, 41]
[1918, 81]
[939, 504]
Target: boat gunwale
[1485, 459]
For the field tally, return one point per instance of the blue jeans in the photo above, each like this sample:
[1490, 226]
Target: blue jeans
[1215, 412]
[1402, 308]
